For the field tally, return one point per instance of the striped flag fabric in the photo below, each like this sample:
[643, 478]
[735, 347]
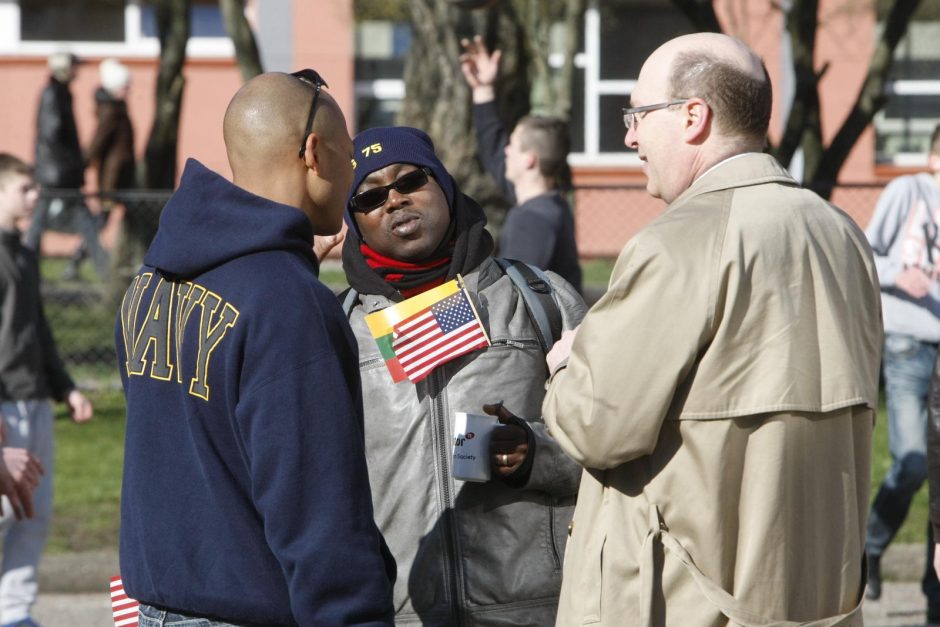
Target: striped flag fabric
[124, 609]
[427, 330]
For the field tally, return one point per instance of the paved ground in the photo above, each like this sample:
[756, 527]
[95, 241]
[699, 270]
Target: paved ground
[75, 590]
[901, 604]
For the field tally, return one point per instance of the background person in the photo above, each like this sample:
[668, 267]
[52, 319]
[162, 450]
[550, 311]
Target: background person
[721, 395]
[468, 553]
[244, 454]
[529, 166]
[903, 232]
[111, 151]
[30, 374]
[60, 168]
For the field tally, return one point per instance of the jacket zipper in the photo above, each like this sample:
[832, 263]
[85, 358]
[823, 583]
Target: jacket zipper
[515, 343]
[551, 534]
[452, 563]
[369, 362]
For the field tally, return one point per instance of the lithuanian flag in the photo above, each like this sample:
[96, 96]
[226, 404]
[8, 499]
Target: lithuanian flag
[419, 334]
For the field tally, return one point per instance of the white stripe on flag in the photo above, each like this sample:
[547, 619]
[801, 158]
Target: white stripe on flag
[458, 347]
[439, 345]
[125, 610]
[432, 339]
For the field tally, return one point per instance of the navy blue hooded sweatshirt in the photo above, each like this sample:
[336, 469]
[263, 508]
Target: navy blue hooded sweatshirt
[245, 494]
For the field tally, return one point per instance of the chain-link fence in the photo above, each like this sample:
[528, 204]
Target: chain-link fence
[607, 216]
[83, 281]
[81, 307]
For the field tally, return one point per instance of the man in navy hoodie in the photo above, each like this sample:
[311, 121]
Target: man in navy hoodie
[246, 497]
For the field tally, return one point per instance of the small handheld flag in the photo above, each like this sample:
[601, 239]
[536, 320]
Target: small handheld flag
[427, 330]
[124, 609]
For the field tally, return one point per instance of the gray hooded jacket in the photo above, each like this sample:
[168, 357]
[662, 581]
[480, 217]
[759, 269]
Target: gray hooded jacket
[469, 553]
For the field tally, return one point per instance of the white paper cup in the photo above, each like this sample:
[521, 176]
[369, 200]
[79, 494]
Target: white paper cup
[472, 433]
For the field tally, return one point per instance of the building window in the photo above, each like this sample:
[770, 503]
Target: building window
[904, 126]
[204, 15]
[608, 65]
[381, 47]
[77, 20]
[124, 28]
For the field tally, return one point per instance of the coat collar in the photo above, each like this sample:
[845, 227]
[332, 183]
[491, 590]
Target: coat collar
[739, 171]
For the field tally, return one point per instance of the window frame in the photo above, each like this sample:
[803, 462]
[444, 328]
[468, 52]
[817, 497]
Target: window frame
[135, 44]
[595, 88]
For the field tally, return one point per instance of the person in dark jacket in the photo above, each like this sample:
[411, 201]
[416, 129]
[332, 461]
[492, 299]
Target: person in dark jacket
[60, 168]
[111, 151]
[245, 496]
[30, 374]
[469, 553]
[529, 166]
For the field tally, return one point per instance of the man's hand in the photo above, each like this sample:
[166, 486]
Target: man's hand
[561, 349]
[19, 476]
[509, 444]
[323, 244]
[914, 282]
[81, 407]
[480, 68]
[936, 558]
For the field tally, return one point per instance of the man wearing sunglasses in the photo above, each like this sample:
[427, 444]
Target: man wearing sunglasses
[721, 394]
[467, 553]
[246, 497]
[529, 165]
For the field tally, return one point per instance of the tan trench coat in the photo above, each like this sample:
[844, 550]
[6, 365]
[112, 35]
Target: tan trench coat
[720, 397]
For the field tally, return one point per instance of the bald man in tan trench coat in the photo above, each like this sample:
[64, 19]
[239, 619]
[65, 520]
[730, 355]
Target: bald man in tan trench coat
[721, 394]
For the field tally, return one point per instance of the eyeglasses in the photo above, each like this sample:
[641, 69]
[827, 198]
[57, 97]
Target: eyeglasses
[376, 197]
[630, 117]
[313, 77]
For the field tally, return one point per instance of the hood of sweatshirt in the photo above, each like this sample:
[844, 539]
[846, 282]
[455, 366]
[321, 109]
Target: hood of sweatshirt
[240, 224]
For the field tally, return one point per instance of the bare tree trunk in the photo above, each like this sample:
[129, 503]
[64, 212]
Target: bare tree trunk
[871, 98]
[438, 99]
[801, 29]
[246, 48]
[158, 168]
[159, 165]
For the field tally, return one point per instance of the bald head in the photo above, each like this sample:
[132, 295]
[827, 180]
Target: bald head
[725, 73]
[265, 121]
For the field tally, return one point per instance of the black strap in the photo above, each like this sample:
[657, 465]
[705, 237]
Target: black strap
[537, 293]
[349, 298]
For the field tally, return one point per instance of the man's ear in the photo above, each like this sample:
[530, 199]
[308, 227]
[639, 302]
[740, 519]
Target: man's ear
[531, 160]
[311, 158]
[698, 119]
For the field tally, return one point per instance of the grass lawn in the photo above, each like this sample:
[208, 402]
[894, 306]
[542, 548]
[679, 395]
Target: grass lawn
[89, 459]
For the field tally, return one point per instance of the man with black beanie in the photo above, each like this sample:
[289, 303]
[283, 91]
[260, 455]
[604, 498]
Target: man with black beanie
[466, 552]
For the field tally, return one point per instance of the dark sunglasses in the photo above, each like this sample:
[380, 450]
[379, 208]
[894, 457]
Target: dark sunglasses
[376, 197]
[313, 77]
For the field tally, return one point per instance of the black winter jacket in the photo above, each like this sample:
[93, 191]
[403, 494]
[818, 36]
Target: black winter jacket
[59, 162]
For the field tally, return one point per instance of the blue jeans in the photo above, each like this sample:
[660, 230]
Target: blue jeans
[29, 425]
[908, 365]
[152, 617]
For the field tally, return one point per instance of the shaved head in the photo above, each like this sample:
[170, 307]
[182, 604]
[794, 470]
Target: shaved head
[264, 122]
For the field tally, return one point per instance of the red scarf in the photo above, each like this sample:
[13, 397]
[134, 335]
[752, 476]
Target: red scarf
[408, 278]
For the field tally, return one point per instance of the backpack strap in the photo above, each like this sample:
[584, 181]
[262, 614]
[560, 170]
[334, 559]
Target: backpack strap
[537, 293]
[349, 298]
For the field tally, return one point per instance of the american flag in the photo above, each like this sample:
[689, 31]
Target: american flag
[125, 609]
[445, 330]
